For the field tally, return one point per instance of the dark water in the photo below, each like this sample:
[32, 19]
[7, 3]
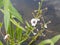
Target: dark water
[26, 7]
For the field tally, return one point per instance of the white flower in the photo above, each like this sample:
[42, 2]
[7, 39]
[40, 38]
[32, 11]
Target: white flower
[37, 29]
[34, 33]
[34, 21]
[45, 25]
[39, 3]
[35, 10]
[6, 36]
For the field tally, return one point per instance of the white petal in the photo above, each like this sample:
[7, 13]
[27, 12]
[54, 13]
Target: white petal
[45, 25]
[39, 2]
[34, 21]
[34, 33]
[33, 24]
[38, 19]
[37, 29]
[35, 10]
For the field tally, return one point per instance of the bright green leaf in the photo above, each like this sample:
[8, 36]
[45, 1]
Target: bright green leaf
[6, 14]
[0, 25]
[55, 38]
[11, 30]
[18, 34]
[48, 41]
[15, 23]
[1, 3]
[15, 13]
[1, 43]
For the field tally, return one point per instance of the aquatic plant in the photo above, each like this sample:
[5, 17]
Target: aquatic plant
[16, 34]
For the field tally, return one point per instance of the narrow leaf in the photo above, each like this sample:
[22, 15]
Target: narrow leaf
[6, 14]
[15, 23]
[11, 30]
[18, 34]
[15, 13]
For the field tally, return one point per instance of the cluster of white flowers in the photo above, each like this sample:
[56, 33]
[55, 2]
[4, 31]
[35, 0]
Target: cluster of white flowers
[34, 23]
[34, 33]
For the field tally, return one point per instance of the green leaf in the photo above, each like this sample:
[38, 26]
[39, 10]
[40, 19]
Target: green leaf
[11, 30]
[28, 25]
[29, 29]
[15, 13]
[6, 19]
[6, 14]
[48, 41]
[55, 38]
[16, 24]
[51, 41]
[0, 25]
[1, 3]
[1, 43]
[18, 34]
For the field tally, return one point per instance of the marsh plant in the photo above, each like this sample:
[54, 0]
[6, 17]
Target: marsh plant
[16, 34]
